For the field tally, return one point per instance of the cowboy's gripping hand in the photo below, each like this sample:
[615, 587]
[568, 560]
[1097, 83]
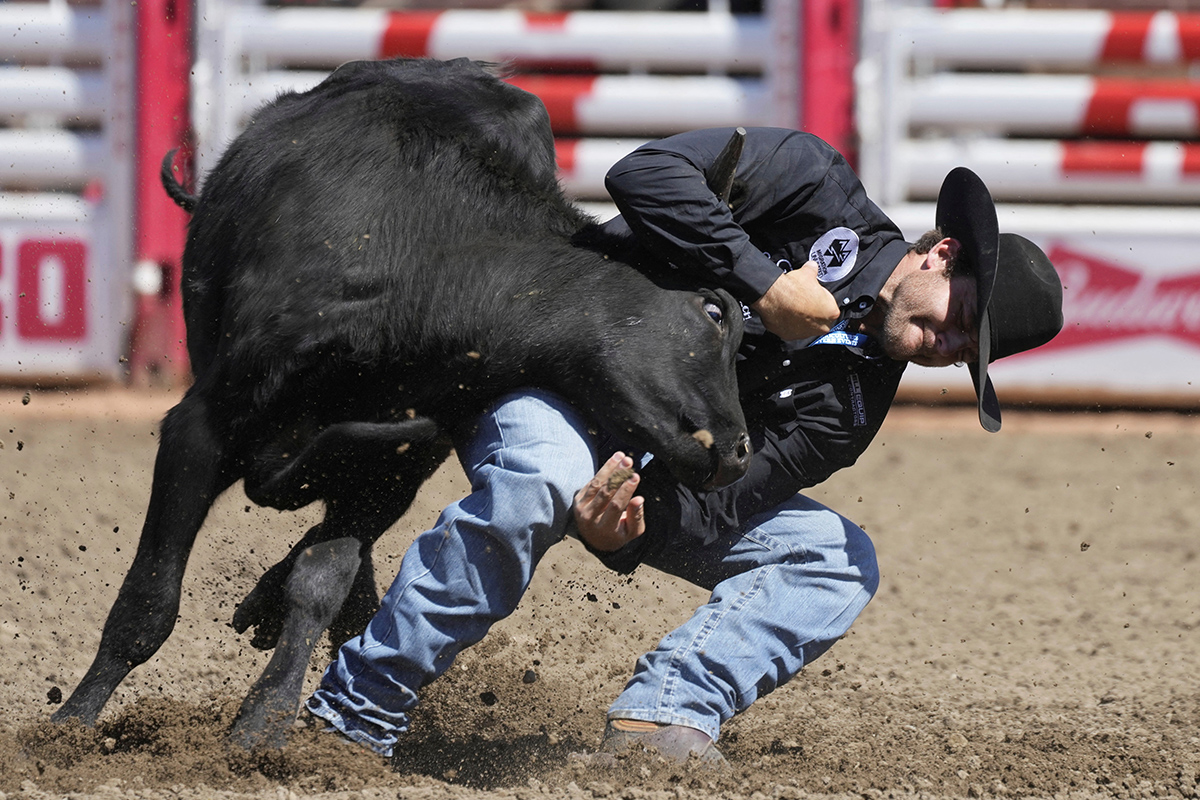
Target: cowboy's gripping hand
[797, 306]
[607, 514]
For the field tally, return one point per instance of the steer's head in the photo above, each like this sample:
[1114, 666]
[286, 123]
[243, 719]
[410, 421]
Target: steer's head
[668, 384]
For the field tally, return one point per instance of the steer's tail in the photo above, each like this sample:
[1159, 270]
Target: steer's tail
[174, 190]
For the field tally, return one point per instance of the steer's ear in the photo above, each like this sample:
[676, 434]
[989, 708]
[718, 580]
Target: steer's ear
[720, 180]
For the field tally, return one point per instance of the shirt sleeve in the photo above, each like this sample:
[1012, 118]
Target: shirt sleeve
[662, 191]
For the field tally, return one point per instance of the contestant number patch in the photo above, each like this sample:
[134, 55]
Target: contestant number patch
[835, 254]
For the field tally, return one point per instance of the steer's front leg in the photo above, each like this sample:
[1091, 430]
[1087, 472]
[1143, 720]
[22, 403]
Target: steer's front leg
[188, 476]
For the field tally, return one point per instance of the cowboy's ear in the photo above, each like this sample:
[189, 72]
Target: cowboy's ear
[944, 252]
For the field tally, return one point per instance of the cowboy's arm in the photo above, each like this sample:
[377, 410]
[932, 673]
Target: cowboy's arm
[664, 195]
[819, 426]
[627, 529]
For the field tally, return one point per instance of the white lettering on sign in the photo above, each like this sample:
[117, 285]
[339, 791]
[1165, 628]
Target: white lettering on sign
[1105, 301]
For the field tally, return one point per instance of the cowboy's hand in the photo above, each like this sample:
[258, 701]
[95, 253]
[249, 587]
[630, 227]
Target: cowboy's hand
[606, 512]
[797, 306]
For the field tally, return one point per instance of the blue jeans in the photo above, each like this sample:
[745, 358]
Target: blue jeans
[782, 593]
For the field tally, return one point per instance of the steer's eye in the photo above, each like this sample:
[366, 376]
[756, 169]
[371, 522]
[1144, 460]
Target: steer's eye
[714, 312]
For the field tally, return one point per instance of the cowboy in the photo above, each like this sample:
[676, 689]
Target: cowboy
[824, 349]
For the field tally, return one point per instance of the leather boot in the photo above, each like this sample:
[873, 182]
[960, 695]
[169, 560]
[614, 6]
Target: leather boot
[673, 742]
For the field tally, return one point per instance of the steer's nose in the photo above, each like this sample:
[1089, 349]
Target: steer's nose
[742, 451]
[733, 465]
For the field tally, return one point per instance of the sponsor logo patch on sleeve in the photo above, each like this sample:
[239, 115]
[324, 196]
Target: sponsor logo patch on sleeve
[835, 254]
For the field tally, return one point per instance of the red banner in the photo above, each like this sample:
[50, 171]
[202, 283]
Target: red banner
[1104, 301]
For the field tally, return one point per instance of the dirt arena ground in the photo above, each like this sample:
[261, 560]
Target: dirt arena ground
[1035, 634]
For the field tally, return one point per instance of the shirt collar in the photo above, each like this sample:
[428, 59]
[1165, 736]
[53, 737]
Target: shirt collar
[857, 292]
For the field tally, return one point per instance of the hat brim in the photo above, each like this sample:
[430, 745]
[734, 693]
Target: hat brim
[966, 213]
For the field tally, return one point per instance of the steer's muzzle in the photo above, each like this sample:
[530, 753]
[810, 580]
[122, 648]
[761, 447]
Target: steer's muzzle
[731, 463]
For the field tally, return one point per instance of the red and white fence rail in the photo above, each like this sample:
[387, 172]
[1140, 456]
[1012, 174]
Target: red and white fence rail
[979, 38]
[587, 41]
[80, 95]
[1073, 171]
[1056, 105]
[610, 80]
[66, 138]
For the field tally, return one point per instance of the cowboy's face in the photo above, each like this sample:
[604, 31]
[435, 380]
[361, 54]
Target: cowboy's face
[931, 319]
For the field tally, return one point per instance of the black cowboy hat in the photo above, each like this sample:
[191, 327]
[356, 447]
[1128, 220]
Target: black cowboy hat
[1019, 293]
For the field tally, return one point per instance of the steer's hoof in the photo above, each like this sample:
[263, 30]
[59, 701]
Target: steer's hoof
[265, 731]
[264, 616]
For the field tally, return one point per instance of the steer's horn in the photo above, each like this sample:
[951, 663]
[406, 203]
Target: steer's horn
[721, 180]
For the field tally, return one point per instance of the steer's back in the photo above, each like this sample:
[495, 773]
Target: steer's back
[345, 217]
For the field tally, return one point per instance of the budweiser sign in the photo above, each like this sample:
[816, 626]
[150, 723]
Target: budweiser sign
[1104, 301]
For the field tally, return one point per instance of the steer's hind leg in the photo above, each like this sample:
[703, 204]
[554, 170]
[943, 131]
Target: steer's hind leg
[360, 605]
[188, 475]
[376, 466]
[321, 577]
[381, 494]
[315, 590]
[265, 606]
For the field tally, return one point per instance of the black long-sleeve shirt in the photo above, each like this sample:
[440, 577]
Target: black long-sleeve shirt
[813, 406]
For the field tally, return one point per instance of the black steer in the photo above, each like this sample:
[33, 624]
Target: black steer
[369, 264]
